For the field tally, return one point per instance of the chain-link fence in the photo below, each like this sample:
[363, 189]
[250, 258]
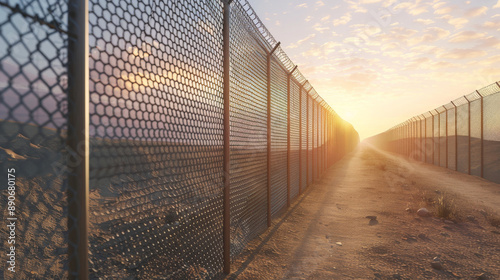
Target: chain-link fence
[150, 139]
[463, 135]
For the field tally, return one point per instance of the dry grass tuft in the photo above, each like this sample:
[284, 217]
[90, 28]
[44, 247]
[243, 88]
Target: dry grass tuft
[445, 207]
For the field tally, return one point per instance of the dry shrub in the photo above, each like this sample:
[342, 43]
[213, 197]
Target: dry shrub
[445, 207]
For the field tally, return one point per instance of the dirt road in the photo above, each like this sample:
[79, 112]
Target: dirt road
[326, 235]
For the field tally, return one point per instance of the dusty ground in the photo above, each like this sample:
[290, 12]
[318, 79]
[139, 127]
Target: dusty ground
[326, 235]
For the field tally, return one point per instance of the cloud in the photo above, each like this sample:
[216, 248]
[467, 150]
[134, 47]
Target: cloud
[299, 42]
[325, 18]
[430, 34]
[494, 24]
[321, 51]
[320, 28]
[489, 42]
[444, 10]
[319, 3]
[398, 33]
[424, 21]
[474, 12]
[456, 22]
[353, 5]
[497, 5]
[426, 50]
[303, 5]
[462, 54]
[466, 36]
[417, 8]
[342, 20]
[308, 18]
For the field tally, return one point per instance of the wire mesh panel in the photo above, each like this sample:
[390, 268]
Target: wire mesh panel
[422, 139]
[452, 140]
[436, 139]
[491, 104]
[314, 137]
[33, 129]
[475, 140]
[310, 141]
[156, 135]
[463, 138]
[320, 140]
[278, 138]
[248, 132]
[304, 136]
[429, 145]
[442, 139]
[295, 123]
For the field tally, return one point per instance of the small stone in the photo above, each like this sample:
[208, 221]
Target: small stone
[445, 234]
[408, 210]
[484, 213]
[396, 276]
[371, 217]
[338, 243]
[437, 265]
[423, 212]
[423, 236]
[449, 222]
[471, 218]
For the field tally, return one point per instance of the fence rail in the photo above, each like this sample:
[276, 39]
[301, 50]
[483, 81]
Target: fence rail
[463, 135]
[151, 139]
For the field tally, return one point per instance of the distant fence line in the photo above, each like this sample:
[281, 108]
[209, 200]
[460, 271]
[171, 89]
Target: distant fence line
[463, 135]
[151, 139]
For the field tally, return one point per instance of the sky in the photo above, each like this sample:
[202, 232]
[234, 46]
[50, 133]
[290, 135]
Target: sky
[380, 62]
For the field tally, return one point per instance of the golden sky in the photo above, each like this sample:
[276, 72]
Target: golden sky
[380, 62]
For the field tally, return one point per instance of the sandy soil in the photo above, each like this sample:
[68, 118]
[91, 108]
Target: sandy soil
[326, 235]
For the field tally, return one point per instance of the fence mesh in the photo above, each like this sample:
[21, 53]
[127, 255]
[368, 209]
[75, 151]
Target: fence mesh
[156, 138]
[463, 135]
[156, 127]
[248, 132]
[295, 124]
[279, 138]
[33, 128]
[304, 137]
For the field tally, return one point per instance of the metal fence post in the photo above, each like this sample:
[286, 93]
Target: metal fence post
[446, 109]
[456, 136]
[269, 57]
[289, 77]
[439, 137]
[78, 138]
[468, 103]
[226, 235]
[482, 134]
